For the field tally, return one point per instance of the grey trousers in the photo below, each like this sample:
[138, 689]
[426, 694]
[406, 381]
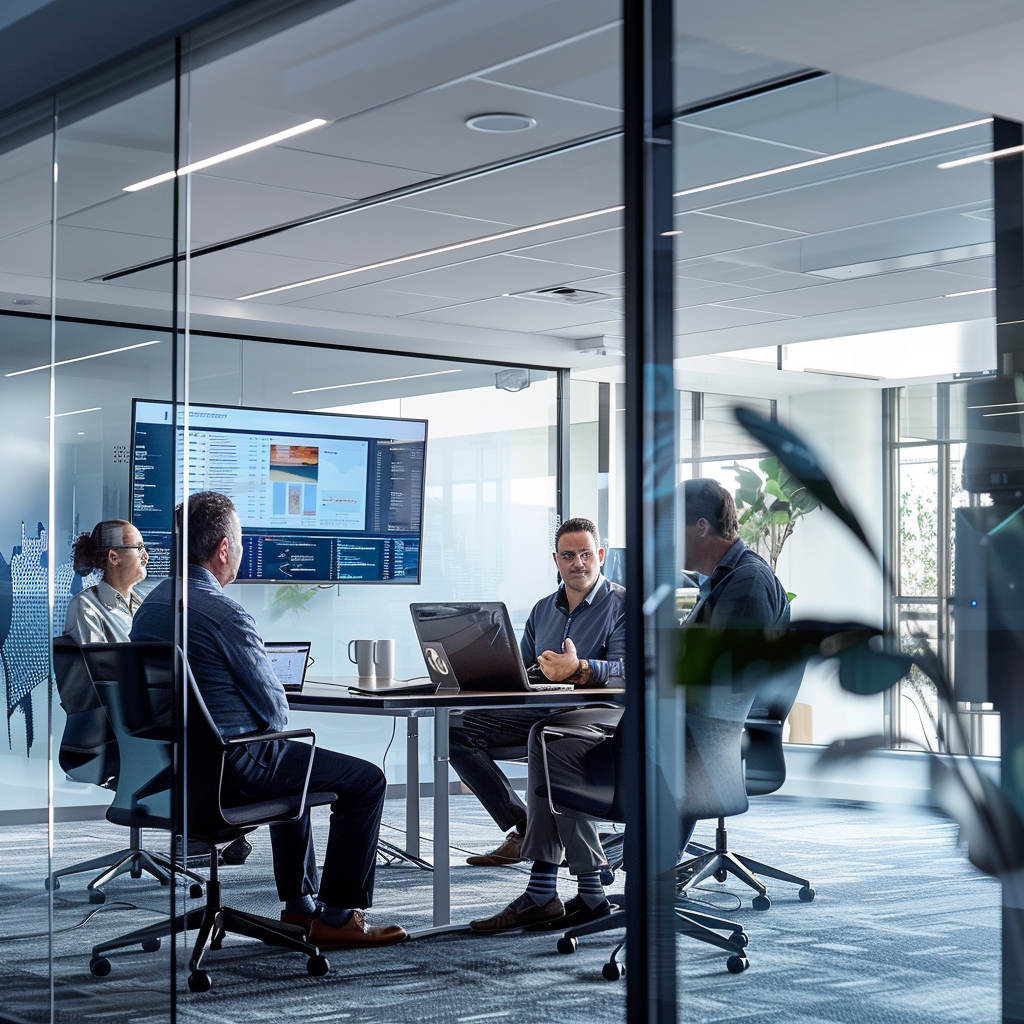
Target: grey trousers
[552, 837]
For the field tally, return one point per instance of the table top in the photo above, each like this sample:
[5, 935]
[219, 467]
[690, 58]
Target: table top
[333, 695]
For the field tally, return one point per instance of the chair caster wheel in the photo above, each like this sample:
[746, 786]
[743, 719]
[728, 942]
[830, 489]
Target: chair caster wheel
[151, 945]
[199, 981]
[195, 891]
[607, 877]
[737, 964]
[99, 966]
[317, 966]
[761, 903]
[740, 937]
[97, 896]
[806, 894]
[721, 875]
[568, 944]
[48, 886]
[613, 970]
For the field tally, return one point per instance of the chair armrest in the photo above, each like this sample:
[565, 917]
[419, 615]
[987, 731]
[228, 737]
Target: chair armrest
[290, 734]
[583, 731]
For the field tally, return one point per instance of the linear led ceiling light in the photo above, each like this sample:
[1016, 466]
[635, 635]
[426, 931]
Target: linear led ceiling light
[383, 380]
[839, 156]
[433, 252]
[79, 359]
[973, 291]
[75, 412]
[230, 154]
[979, 157]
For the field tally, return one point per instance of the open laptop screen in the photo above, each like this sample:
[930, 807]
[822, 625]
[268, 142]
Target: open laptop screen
[289, 661]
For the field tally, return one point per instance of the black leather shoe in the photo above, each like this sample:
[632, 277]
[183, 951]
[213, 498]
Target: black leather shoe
[576, 913]
[236, 852]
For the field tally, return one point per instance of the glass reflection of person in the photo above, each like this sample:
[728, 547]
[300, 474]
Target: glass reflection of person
[103, 613]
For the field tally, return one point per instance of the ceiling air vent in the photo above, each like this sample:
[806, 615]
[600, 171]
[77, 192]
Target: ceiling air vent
[565, 294]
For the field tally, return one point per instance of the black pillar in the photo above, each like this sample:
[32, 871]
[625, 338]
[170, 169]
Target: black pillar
[651, 721]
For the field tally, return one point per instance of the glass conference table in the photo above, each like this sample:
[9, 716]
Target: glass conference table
[333, 696]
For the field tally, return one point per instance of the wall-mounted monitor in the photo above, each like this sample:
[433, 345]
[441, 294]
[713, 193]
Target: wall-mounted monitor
[322, 497]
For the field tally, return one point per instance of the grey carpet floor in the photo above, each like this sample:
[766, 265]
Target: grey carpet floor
[903, 930]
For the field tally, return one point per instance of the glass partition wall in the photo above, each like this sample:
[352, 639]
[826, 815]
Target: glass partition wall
[421, 211]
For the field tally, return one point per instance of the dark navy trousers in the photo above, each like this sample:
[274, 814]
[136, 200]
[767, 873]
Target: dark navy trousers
[263, 771]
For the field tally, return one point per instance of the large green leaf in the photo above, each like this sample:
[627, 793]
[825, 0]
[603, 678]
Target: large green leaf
[772, 487]
[865, 671]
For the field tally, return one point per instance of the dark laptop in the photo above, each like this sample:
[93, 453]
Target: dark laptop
[289, 662]
[473, 645]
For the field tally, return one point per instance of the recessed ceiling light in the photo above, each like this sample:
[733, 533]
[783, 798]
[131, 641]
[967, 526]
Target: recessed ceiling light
[500, 123]
[980, 157]
[227, 155]
[669, 234]
[75, 412]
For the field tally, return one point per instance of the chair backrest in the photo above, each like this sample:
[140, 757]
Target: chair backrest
[763, 753]
[136, 683]
[714, 787]
[88, 750]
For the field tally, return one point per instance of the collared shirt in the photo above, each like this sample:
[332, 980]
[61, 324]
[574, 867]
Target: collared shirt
[225, 653]
[597, 626]
[741, 592]
[100, 615]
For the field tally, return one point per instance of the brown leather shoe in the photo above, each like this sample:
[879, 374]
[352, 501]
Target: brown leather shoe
[520, 913]
[355, 934]
[510, 852]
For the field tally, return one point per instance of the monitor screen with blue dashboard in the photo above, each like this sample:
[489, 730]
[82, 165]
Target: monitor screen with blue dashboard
[322, 497]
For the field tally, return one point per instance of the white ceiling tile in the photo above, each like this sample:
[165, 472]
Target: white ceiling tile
[488, 277]
[600, 249]
[864, 198]
[587, 69]
[26, 185]
[373, 234]
[562, 185]
[314, 172]
[427, 131]
[374, 301]
[704, 235]
[233, 272]
[696, 319]
[514, 314]
[852, 294]
[83, 253]
[27, 253]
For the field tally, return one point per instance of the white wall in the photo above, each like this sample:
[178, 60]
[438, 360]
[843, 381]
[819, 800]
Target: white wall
[823, 564]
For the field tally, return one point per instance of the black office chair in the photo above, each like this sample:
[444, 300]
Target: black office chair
[89, 754]
[764, 771]
[137, 685]
[715, 717]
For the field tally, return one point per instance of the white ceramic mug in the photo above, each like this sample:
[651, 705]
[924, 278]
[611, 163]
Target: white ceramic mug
[384, 658]
[363, 658]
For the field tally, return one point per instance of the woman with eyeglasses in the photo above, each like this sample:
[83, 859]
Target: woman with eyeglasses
[103, 613]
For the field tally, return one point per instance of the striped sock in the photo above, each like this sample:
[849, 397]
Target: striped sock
[543, 882]
[591, 889]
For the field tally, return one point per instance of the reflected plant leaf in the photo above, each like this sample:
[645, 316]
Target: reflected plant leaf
[864, 671]
[989, 823]
[798, 459]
